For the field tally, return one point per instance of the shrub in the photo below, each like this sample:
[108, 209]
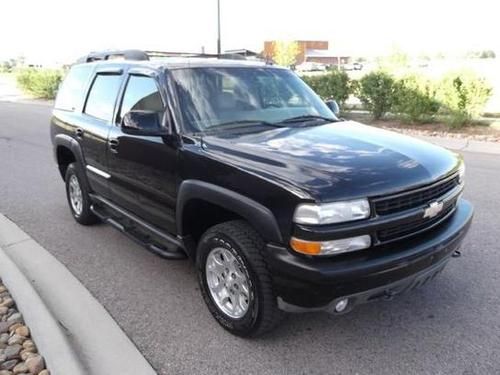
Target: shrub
[463, 95]
[376, 92]
[41, 83]
[333, 85]
[415, 99]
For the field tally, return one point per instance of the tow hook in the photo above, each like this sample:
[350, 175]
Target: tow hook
[456, 254]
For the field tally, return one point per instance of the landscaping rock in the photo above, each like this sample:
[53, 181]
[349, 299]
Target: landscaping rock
[23, 331]
[16, 317]
[16, 339]
[12, 351]
[20, 368]
[8, 365]
[35, 364]
[4, 326]
[18, 352]
[7, 302]
[29, 346]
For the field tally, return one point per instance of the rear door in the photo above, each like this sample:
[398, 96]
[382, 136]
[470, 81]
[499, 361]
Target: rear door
[143, 168]
[96, 121]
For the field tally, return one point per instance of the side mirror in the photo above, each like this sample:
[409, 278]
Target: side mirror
[143, 123]
[334, 107]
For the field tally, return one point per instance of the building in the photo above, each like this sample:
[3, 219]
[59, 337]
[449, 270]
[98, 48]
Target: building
[311, 50]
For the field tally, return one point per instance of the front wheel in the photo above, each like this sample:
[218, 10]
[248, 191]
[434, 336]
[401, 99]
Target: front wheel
[235, 281]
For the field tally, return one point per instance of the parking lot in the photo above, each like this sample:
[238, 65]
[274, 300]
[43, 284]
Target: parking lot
[450, 326]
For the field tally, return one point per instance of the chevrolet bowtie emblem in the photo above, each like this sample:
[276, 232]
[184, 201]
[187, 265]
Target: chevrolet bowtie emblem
[434, 209]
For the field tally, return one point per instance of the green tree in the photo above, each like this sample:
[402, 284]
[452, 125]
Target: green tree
[285, 53]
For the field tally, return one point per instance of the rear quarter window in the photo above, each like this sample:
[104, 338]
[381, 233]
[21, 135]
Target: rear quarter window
[71, 93]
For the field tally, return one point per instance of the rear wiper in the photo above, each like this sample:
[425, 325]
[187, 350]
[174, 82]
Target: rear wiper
[306, 118]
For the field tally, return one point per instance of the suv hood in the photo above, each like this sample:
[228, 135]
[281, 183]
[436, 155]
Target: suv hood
[335, 161]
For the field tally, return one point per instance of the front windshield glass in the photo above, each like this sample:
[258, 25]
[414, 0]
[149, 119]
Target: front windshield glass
[213, 97]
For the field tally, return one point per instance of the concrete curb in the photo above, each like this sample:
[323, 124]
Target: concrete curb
[75, 334]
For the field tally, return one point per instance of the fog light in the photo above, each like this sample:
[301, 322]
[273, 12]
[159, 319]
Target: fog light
[343, 245]
[341, 305]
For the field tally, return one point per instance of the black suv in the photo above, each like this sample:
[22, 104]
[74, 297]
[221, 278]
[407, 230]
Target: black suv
[241, 167]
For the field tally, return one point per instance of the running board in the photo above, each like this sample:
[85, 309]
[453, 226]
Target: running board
[166, 247]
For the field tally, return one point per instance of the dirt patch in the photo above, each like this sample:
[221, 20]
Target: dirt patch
[483, 132]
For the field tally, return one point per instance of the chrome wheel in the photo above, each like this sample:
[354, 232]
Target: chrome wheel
[227, 280]
[75, 195]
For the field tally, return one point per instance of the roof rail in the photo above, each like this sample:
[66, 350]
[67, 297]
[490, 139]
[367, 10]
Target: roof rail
[139, 55]
[179, 54]
[129, 54]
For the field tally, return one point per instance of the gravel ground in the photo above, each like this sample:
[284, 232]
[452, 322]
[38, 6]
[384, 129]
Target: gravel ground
[18, 352]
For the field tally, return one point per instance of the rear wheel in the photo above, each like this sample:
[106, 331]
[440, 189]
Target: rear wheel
[235, 281]
[78, 197]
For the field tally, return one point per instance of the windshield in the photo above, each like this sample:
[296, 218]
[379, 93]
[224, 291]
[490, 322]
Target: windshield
[214, 97]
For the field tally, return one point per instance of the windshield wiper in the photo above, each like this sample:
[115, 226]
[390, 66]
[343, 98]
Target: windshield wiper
[238, 123]
[305, 118]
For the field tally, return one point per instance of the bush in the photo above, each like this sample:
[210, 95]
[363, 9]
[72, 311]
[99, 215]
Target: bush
[376, 92]
[463, 95]
[415, 99]
[41, 83]
[333, 85]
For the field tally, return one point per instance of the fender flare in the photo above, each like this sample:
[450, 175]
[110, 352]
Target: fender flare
[259, 216]
[71, 144]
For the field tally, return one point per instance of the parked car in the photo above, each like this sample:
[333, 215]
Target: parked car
[309, 66]
[242, 168]
[354, 66]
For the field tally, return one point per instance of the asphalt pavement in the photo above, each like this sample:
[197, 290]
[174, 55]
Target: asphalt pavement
[450, 326]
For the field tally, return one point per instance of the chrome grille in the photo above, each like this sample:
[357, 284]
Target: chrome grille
[414, 198]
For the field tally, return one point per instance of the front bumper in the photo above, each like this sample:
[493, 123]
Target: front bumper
[315, 283]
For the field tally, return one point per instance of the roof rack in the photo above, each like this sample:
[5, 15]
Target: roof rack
[139, 55]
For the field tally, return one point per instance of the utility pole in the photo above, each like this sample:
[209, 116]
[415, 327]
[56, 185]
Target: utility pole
[218, 28]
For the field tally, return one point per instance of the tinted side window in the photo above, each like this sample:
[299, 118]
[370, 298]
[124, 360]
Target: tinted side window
[141, 93]
[102, 96]
[71, 93]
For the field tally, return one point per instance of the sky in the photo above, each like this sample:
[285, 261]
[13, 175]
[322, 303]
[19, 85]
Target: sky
[65, 29]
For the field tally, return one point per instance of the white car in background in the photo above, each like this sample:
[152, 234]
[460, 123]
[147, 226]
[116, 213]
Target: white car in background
[310, 66]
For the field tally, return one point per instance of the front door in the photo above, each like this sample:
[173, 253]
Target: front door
[143, 169]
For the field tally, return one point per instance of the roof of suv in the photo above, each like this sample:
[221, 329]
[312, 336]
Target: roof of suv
[186, 62]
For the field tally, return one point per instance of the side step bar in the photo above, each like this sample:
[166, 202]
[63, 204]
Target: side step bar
[166, 246]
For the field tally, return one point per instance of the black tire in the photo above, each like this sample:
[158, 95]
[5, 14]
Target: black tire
[246, 245]
[85, 216]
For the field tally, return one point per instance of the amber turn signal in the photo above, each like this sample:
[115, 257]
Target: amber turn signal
[305, 247]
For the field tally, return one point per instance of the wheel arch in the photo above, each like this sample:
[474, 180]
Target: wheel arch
[67, 151]
[228, 205]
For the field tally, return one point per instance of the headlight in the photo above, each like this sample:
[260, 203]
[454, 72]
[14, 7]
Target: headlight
[332, 247]
[330, 213]
[461, 173]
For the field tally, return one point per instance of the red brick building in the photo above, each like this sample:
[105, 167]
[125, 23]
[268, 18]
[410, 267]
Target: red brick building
[310, 50]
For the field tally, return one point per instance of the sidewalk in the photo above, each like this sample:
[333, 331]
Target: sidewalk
[8, 89]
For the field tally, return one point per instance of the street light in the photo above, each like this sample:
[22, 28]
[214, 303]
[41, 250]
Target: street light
[218, 28]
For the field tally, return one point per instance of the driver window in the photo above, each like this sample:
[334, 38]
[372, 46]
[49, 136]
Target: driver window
[141, 93]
